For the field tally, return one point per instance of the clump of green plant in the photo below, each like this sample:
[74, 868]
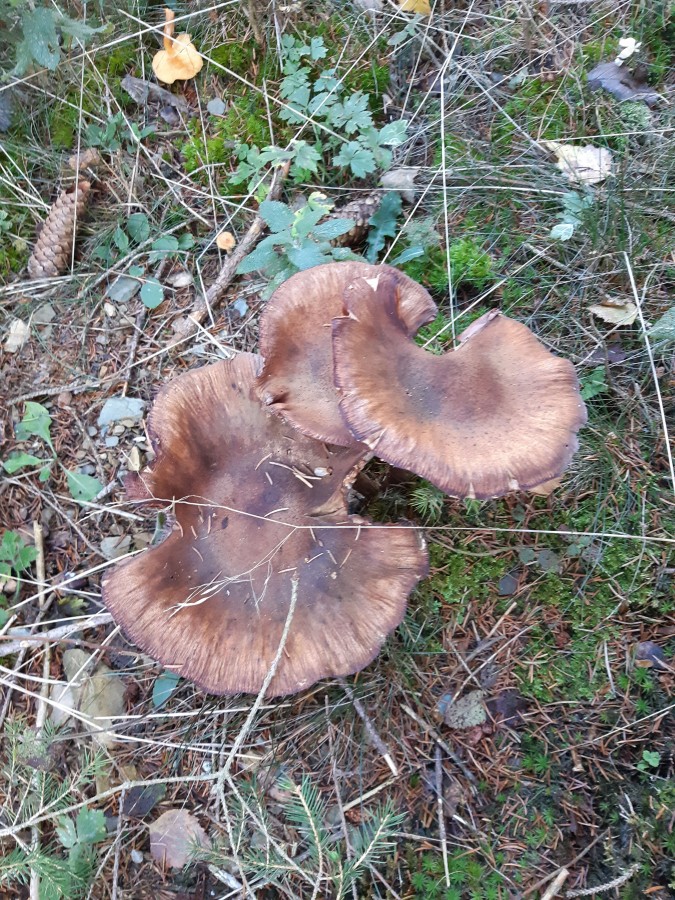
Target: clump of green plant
[116, 133]
[37, 422]
[319, 99]
[299, 240]
[29, 768]
[468, 877]
[594, 383]
[469, 263]
[15, 557]
[325, 860]
[428, 502]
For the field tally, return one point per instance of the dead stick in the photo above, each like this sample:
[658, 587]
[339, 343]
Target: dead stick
[55, 635]
[370, 728]
[226, 275]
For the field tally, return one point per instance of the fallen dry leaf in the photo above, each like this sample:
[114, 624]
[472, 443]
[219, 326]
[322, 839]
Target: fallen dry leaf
[226, 241]
[173, 836]
[86, 159]
[623, 314]
[402, 180]
[99, 697]
[422, 7]
[17, 335]
[586, 164]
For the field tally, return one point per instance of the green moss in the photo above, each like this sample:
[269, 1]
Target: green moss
[543, 111]
[121, 60]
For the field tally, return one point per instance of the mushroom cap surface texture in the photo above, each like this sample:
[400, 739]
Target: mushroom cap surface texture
[179, 59]
[256, 503]
[295, 341]
[499, 413]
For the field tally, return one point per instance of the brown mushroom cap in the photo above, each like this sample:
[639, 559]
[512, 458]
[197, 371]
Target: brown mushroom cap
[211, 601]
[499, 413]
[179, 59]
[295, 341]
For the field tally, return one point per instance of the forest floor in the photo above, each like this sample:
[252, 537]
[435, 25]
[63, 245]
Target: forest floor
[550, 618]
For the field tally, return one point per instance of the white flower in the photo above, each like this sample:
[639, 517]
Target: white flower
[630, 46]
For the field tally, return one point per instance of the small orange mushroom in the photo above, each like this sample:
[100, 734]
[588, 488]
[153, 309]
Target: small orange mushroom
[179, 59]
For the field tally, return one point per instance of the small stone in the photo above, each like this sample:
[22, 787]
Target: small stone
[118, 429]
[216, 106]
[180, 279]
[65, 398]
[127, 423]
[136, 857]
[88, 469]
[240, 306]
[109, 310]
[8, 586]
[134, 461]
[142, 539]
[116, 409]
[508, 585]
[92, 431]
[112, 441]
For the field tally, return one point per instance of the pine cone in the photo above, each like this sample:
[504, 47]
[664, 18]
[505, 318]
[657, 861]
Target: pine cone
[54, 247]
[360, 211]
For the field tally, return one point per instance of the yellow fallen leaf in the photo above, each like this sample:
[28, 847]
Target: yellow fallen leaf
[225, 241]
[624, 314]
[586, 164]
[423, 7]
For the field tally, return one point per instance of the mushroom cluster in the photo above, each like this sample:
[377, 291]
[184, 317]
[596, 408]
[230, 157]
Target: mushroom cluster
[257, 455]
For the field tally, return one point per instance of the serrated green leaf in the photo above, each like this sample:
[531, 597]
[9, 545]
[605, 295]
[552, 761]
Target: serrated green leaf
[164, 687]
[276, 214]
[317, 48]
[40, 41]
[307, 256]
[83, 487]
[351, 114]
[257, 261]
[358, 158]
[383, 224]
[562, 232]
[152, 293]
[393, 133]
[91, 826]
[333, 228]
[36, 421]
[138, 227]
[664, 328]
[66, 832]
[18, 461]
[306, 157]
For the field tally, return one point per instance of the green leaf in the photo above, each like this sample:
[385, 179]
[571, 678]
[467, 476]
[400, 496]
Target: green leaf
[36, 421]
[351, 114]
[664, 328]
[317, 48]
[357, 157]
[257, 261]
[186, 241]
[408, 254]
[17, 461]
[152, 293]
[307, 256]
[277, 215]
[66, 832]
[393, 133]
[16, 552]
[138, 227]
[120, 240]
[652, 758]
[333, 228]
[136, 271]
[562, 232]
[594, 383]
[91, 826]
[40, 43]
[167, 244]
[383, 224]
[164, 687]
[83, 487]
[306, 156]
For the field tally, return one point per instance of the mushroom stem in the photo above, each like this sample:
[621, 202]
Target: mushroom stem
[169, 26]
